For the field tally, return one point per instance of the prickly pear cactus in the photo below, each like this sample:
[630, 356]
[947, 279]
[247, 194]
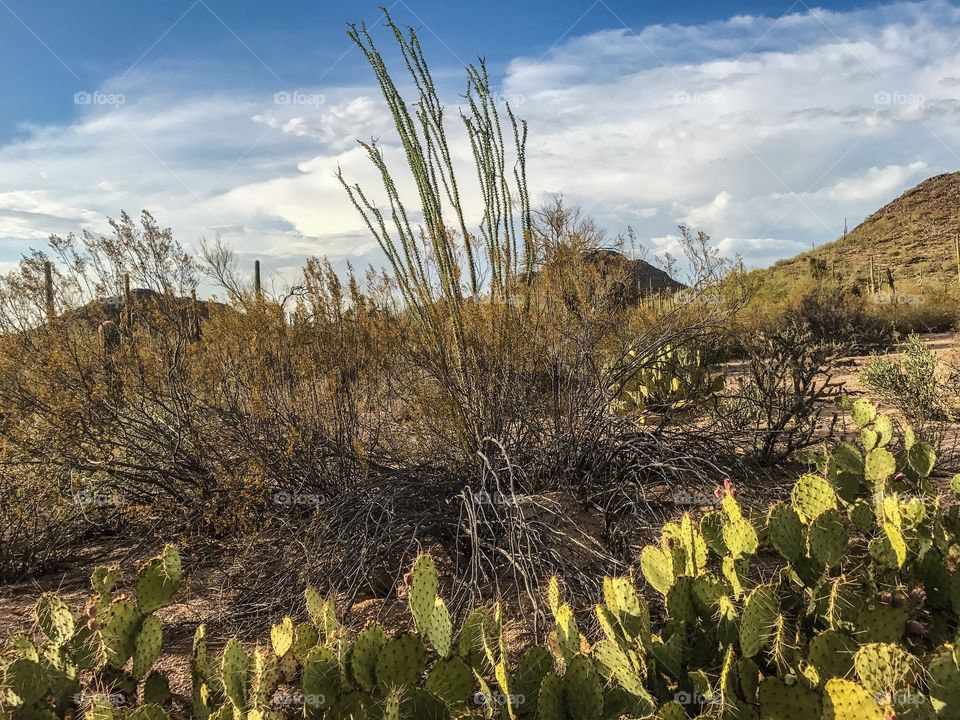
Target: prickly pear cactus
[855, 617]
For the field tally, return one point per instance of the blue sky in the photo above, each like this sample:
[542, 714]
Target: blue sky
[763, 123]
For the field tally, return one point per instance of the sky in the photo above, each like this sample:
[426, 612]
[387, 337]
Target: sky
[765, 124]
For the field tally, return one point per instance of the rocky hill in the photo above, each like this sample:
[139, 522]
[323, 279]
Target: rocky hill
[913, 236]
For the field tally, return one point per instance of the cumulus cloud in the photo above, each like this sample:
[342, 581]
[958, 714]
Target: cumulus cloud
[765, 132]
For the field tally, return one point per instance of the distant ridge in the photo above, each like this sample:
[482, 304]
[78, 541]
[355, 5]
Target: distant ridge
[914, 236]
[644, 277]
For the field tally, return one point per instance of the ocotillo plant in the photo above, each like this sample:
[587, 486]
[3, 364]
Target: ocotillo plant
[436, 268]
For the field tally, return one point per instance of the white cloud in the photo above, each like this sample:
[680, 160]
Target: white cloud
[764, 132]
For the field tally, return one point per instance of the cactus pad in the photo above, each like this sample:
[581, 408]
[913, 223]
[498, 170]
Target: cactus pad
[27, 680]
[423, 591]
[944, 681]
[281, 636]
[626, 605]
[680, 600]
[320, 681]
[812, 495]
[879, 467]
[758, 620]
[863, 412]
[550, 699]
[103, 579]
[156, 689]
[885, 668]
[920, 460]
[363, 659]
[707, 589]
[451, 680]
[147, 648]
[711, 527]
[568, 633]
[861, 515]
[779, 701]
[831, 654]
[740, 538]
[305, 638]
[847, 700]
[879, 623]
[440, 629]
[54, 618]
[786, 531]
[657, 566]
[264, 678]
[154, 586]
[234, 667]
[828, 538]
[119, 632]
[400, 662]
[582, 690]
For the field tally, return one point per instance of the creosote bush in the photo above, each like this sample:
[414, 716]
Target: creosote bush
[924, 389]
[840, 604]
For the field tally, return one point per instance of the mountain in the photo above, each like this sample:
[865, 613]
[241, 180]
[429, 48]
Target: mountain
[644, 278]
[913, 236]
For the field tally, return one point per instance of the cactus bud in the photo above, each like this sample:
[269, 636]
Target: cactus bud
[886, 598]
[915, 627]
[899, 600]
[918, 595]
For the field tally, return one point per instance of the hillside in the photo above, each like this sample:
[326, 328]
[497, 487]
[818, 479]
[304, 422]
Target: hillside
[643, 277]
[914, 236]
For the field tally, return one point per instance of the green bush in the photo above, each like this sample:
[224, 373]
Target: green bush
[841, 603]
[917, 385]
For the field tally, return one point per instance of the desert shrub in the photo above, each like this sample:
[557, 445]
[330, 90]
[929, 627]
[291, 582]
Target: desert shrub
[477, 358]
[773, 396]
[917, 384]
[840, 316]
[38, 522]
[922, 312]
[841, 602]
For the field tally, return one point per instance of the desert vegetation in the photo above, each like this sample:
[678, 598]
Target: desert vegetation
[511, 422]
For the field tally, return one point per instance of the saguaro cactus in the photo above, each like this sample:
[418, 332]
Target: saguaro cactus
[48, 289]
